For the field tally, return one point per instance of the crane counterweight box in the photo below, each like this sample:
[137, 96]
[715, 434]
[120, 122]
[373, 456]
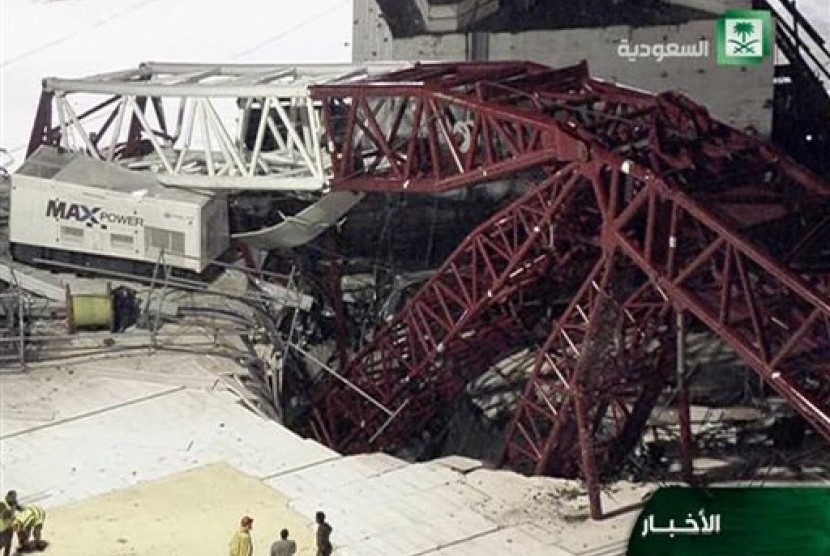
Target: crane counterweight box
[69, 202]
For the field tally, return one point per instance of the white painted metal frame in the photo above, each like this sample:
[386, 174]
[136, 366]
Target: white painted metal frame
[210, 107]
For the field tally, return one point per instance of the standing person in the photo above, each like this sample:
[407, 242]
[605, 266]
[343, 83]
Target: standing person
[28, 522]
[284, 546]
[11, 501]
[241, 544]
[324, 547]
[7, 509]
[6, 531]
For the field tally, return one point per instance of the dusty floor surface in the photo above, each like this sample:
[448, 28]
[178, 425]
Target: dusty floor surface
[189, 514]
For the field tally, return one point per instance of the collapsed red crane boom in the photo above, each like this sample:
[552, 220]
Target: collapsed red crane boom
[435, 127]
[643, 206]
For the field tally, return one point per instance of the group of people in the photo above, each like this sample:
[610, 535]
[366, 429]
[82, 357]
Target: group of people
[27, 521]
[241, 544]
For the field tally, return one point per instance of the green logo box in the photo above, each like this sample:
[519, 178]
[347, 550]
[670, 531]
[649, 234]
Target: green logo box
[732, 521]
[743, 37]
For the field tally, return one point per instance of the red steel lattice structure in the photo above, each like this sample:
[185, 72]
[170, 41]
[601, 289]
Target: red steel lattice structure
[643, 206]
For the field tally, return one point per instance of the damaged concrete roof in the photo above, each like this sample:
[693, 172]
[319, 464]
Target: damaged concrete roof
[72, 431]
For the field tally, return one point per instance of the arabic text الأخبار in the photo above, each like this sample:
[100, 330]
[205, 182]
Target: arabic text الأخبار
[707, 526]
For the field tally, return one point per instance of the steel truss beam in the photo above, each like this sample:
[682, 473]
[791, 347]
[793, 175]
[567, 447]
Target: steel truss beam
[471, 313]
[678, 213]
[776, 318]
[595, 380]
[770, 315]
[431, 128]
[683, 232]
[196, 125]
[618, 328]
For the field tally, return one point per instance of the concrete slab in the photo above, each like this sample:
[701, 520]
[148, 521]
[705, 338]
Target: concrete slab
[190, 371]
[122, 446]
[513, 541]
[48, 397]
[378, 463]
[460, 463]
[406, 510]
[194, 512]
[79, 431]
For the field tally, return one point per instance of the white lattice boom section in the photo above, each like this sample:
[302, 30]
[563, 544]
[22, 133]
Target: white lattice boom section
[200, 125]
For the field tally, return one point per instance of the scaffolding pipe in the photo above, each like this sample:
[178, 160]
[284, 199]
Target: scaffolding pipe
[344, 380]
[683, 411]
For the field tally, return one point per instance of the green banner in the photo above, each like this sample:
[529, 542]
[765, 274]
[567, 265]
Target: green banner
[763, 521]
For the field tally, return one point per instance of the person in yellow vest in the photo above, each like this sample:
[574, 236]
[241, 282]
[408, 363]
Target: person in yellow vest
[6, 531]
[28, 523]
[7, 509]
[241, 544]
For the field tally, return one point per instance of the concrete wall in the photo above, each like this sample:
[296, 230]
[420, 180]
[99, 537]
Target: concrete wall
[740, 96]
[443, 18]
[371, 37]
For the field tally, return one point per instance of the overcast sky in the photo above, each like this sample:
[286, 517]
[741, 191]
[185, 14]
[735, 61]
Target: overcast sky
[75, 38]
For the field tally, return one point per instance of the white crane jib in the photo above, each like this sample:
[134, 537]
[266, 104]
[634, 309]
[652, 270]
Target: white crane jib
[204, 126]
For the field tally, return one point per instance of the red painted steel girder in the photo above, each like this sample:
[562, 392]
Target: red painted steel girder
[448, 125]
[594, 382]
[596, 378]
[476, 293]
[717, 222]
[432, 128]
[776, 318]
